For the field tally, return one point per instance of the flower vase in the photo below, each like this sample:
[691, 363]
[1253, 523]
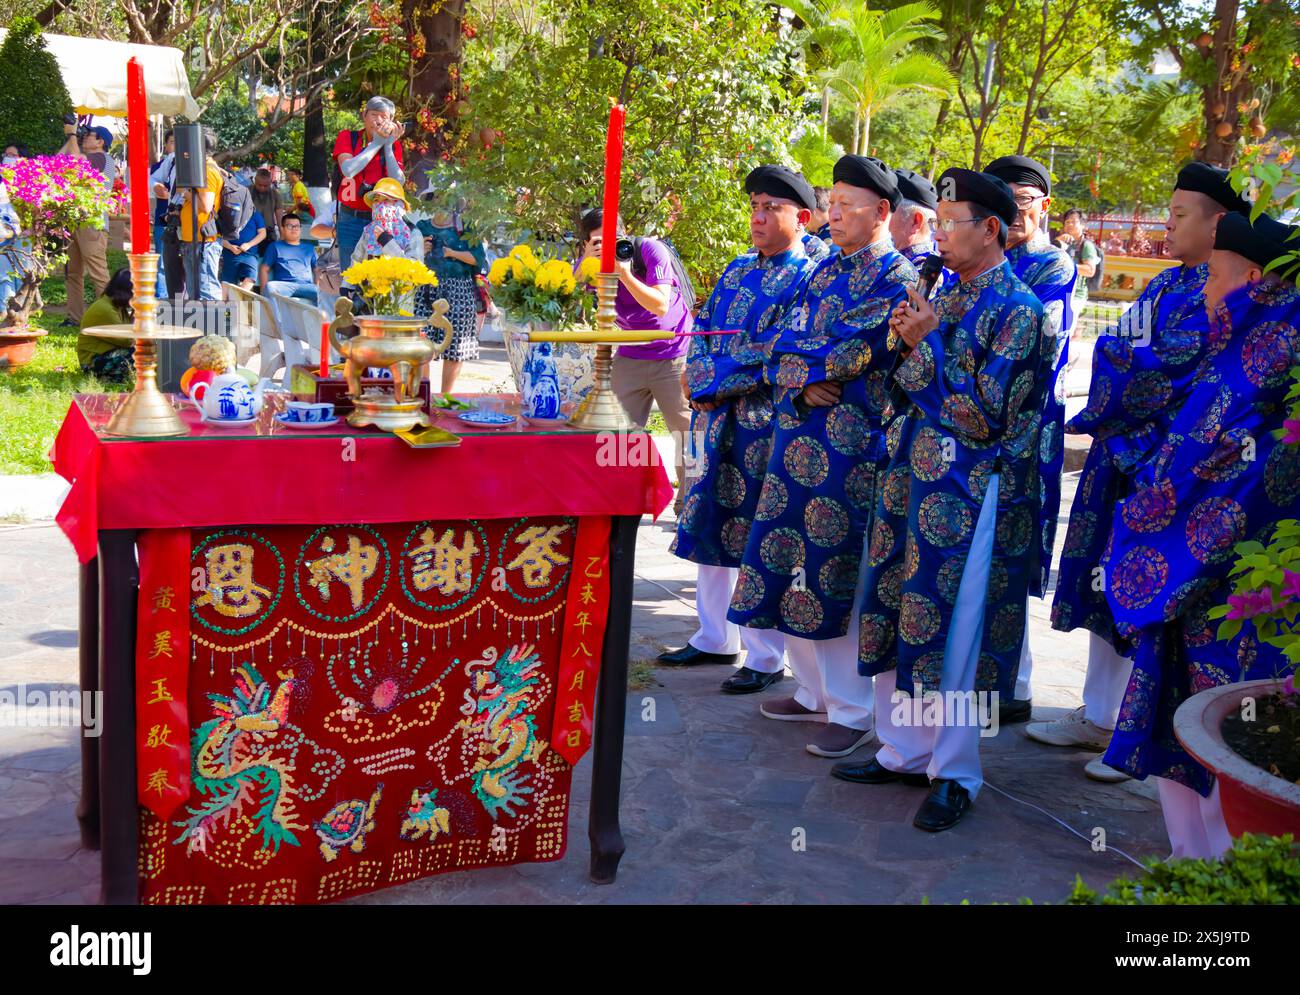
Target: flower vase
[541, 386]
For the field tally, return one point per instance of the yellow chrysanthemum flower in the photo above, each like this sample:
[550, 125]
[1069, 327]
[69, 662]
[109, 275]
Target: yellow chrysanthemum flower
[525, 254]
[588, 269]
[499, 271]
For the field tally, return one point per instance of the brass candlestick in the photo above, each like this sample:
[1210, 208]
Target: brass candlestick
[601, 410]
[146, 413]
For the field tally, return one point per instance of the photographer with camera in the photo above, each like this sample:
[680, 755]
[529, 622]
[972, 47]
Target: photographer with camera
[88, 247]
[362, 165]
[653, 293]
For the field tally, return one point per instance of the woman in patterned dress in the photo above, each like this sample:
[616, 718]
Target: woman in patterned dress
[456, 261]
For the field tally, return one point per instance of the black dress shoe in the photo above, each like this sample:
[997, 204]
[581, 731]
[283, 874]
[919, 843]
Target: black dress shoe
[943, 809]
[746, 681]
[689, 656]
[874, 772]
[1015, 710]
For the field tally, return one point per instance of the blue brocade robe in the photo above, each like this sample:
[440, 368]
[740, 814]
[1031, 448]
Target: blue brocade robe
[1050, 273]
[1140, 372]
[800, 568]
[973, 400]
[915, 254]
[815, 248]
[752, 295]
[1217, 477]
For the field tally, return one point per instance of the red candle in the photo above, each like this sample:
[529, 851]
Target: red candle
[324, 350]
[137, 138]
[613, 173]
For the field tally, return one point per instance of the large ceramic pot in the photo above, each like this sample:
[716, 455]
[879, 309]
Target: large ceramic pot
[1254, 801]
[533, 363]
[18, 347]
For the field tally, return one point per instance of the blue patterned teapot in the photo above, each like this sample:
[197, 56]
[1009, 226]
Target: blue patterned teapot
[227, 398]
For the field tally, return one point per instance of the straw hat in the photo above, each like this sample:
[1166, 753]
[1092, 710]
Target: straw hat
[389, 187]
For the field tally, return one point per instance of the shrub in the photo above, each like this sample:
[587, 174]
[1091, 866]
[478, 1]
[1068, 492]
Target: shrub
[33, 99]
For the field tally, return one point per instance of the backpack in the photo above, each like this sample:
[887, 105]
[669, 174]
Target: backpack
[684, 283]
[232, 210]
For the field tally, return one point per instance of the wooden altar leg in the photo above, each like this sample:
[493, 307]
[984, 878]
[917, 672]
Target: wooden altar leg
[88, 654]
[611, 703]
[119, 824]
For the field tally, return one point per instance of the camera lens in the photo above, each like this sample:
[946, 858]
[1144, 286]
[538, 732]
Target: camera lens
[623, 249]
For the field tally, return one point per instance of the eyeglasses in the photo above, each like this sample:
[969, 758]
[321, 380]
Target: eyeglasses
[949, 225]
[1023, 200]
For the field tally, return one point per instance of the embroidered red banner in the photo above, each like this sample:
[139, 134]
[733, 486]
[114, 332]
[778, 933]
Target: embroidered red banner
[584, 635]
[162, 663]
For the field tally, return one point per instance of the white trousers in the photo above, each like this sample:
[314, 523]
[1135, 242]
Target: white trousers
[1105, 683]
[1023, 691]
[1195, 824]
[763, 647]
[950, 748]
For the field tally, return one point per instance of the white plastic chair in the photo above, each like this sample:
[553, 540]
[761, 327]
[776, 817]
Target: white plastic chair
[300, 321]
[257, 311]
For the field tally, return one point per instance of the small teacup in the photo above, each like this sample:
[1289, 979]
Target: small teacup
[308, 412]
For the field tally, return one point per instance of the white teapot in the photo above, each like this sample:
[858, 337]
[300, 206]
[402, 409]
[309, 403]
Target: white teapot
[227, 398]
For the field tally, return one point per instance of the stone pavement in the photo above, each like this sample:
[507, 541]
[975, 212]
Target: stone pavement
[715, 797]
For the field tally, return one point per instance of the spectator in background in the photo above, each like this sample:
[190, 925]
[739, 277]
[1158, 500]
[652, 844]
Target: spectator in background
[161, 177]
[456, 260]
[266, 201]
[241, 259]
[203, 267]
[820, 225]
[13, 153]
[1083, 250]
[364, 158]
[12, 261]
[108, 359]
[301, 200]
[88, 247]
[289, 266]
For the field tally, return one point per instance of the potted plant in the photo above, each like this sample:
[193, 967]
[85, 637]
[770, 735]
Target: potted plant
[52, 197]
[542, 294]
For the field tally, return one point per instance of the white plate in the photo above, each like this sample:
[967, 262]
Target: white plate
[306, 426]
[477, 419]
[228, 422]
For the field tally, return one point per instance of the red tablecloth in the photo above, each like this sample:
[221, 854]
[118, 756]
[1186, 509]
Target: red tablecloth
[299, 478]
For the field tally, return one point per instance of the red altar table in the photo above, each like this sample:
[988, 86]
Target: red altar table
[330, 663]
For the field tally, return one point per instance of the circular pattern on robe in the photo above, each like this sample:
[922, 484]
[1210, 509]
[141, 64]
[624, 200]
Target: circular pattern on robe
[911, 557]
[1080, 534]
[1205, 676]
[1227, 461]
[779, 278]
[717, 428]
[787, 422]
[1282, 475]
[740, 307]
[875, 636]
[999, 577]
[827, 312]
[977, 480]
[782, 551]
[1177, 346]
[1098, 398]
[736, 273]
[1021, 388]
[1139, 701]
[985, 325]
[1150, 507]
[987, 673]
[917, 370]
[1184, 594]
[699, 373]
[869, 315]
[1269, 353]
[801, 610]
[737, 385]
[1049, 442]
[772, 499]
[792, 372]
[1006, 627]
[1197, 628]
[880, 544]
[730, 489]
[1015, 530]
[889, 589]
[895, 486]
[918, 619]
[826, 521]
[944, 519]
[894, 435]
[824, 276]
[848, 429]
[927, 671]
[838, 576]
[1139, 576]
[754, 412]
[1214, 526]
[806, 461]
[1018, 333]
[756, 457]
[749, 590]
[692, 512]
[961, 412]
[932, 454]
[734, 535]
[1210, 423]
[1146, 394]
[990, 392]
[847, 360]
[1118, 350]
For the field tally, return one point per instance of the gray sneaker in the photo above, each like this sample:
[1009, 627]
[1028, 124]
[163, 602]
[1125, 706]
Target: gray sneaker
[1072, 730]
[1099, 771]
[838, 741]
[789, 710]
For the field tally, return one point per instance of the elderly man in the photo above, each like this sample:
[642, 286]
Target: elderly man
[801, 565]
[1217, 475]
[1138, 371]
[912, 225]
[820, 223]
[949, 555]
[1050, 274]
[733, 416]
[364, 158]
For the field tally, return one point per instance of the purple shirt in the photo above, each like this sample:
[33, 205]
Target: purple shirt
[658, 270]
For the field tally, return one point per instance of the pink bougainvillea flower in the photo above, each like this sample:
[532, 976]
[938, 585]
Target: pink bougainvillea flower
[1251, 603]
[1288, 685]
[1292, 434]
[1290, 585]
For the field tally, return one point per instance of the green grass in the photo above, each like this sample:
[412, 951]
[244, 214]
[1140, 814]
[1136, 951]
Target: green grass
[641, 675]
[655, 424]
[34, 398]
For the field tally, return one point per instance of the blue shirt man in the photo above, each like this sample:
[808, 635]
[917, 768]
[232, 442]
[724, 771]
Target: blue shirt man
[240, 259]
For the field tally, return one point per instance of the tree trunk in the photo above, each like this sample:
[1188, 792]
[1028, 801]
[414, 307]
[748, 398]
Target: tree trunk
[435, 78]
[866, 133]
[1221, 150]
[315, 158]
[857, 128]
[826, 111]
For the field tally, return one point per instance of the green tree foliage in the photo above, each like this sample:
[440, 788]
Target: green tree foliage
[237, 126]
[816, 157]
[704, 82]
[33, 99]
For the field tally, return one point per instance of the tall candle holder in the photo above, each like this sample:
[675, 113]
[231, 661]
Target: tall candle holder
[147, 413]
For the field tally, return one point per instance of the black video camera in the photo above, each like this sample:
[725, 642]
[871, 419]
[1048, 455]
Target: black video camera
[82, 129]
[627, 248]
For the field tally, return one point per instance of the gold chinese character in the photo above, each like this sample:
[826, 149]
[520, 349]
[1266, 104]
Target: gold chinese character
[162, 644]
[160, 692]
[539, 554]
[592, 563]
[162, 599]
[351, 569]
[583, 621]
[442, 564]
[578, 680]
[230, 587]
[588, 595]
[581, 650]
[158, 782]
[574, 738]
[575, 712]
[159, 736]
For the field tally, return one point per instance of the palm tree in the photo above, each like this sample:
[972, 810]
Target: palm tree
[874, 63]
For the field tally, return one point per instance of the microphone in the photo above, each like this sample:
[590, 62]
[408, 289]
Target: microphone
[929, 276]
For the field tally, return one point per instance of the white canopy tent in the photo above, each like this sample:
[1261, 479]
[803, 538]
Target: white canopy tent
[94, 71]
